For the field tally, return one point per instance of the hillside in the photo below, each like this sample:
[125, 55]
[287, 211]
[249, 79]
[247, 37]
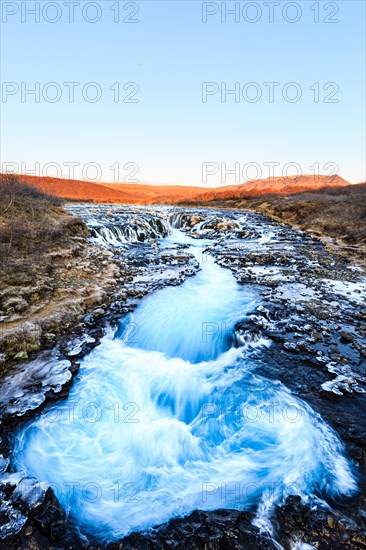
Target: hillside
[123, 193]
[119, 193]
[158, 193]
[278, 185]
[83, 190]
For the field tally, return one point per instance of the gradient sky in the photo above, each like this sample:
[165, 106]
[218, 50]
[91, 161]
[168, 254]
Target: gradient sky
[170, 132]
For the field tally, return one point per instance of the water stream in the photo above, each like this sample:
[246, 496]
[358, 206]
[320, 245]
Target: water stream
[168, 415]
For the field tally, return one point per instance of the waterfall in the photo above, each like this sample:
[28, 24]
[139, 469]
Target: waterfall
[115, 226]
[168, 414]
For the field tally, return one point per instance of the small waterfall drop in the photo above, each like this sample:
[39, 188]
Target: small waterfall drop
[167, 416]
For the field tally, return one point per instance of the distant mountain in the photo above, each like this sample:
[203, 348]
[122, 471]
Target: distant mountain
[127, 193]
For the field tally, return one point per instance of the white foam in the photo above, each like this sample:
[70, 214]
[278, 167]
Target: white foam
[162, 421]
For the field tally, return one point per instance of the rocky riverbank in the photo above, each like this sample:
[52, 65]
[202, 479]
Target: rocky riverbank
[115, 279]
[313, 312]
[337, 215]
[50, 276]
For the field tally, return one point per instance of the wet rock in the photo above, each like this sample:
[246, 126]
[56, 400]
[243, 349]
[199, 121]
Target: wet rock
[4, 463]
[316, 526]
[26, 386]
[98, 312]
[90, 320]
[36, 525]
[346, 337]
[222, 529]
[291, 346]
[28, 491]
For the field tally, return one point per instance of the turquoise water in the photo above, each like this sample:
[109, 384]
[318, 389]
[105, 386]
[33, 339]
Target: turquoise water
[167, 416]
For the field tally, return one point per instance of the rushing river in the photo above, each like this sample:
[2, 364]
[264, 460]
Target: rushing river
[168, 415]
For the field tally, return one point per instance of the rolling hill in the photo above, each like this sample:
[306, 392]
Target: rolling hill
[122, 193]
[283, 185]
[119, 193]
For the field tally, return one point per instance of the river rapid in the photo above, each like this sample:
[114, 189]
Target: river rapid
[169, 414]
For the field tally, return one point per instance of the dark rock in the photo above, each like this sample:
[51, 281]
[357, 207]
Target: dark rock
[317, 527]
[89, 320]
[219, 530]
[98, 312]
[346, 337]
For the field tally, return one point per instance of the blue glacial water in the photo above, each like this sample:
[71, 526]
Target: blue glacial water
[167, 416]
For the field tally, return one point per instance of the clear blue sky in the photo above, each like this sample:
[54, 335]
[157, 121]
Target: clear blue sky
[170, 132]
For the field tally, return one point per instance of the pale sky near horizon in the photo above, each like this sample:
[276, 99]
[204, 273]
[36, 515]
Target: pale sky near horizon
[167, 129]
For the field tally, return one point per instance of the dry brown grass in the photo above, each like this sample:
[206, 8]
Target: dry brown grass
[337, 212]
[50, 276]
[31, 224]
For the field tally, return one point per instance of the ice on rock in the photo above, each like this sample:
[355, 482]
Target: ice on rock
[28, 494]
[29, 491]
[16, 520]
[4, 463]
[25, 387]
